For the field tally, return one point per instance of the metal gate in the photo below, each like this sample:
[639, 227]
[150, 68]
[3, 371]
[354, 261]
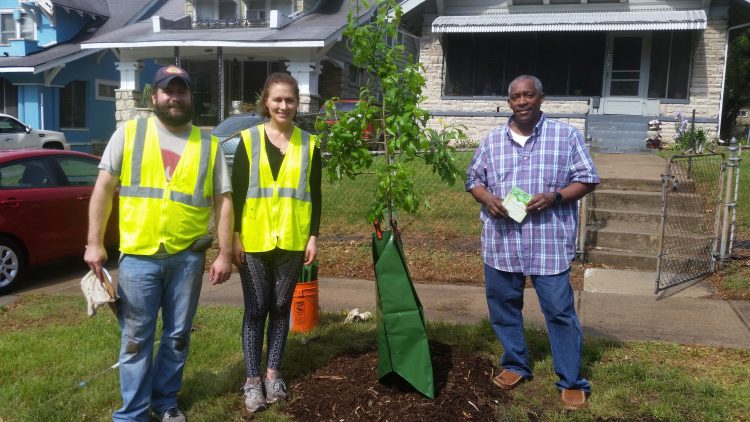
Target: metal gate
[691, 202]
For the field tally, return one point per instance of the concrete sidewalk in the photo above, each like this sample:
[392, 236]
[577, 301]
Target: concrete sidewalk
[614, 304]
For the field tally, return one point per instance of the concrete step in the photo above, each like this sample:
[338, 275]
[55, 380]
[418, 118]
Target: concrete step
[593, 118]
[619, 258]
[626, 200]
[631, 239]
[603, 217]
[621, 183]
[618, 136]
[614, 126]
[620, 149]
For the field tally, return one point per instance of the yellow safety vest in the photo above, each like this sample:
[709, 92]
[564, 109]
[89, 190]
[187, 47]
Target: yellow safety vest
[277, 213]
[154, 212]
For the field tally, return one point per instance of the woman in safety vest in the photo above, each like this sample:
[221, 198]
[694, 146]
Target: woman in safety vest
[276, 183]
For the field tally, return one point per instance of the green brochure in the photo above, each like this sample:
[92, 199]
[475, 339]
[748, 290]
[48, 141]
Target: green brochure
[515, 202]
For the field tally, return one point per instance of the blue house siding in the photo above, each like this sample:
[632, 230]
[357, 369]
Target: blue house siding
[69, 24]
[28, 105]
[36, 103]
[100, 114]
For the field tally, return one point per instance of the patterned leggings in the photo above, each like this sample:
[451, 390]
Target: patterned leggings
[268, 280]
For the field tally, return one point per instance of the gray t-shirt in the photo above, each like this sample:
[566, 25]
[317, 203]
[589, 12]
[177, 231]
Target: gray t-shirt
[171, 149]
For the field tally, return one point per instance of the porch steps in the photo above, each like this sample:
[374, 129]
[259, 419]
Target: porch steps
[623, 222]
[618, 133]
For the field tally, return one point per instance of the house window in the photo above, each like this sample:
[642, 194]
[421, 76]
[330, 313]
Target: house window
[670, 65]
[105, 90]
[10, 29]
[73, 105]
[8, 97]
[355, 75]
[742, 113]
[7, 28]
[485, 64]
[256, 9]
[27, 30]
[208, 10]
[204, 10]
[227, 9]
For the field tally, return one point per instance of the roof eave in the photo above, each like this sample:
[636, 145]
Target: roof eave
[50, 64]
[193, 43]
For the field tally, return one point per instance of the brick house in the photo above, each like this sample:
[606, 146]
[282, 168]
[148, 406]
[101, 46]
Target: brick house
[608, 66]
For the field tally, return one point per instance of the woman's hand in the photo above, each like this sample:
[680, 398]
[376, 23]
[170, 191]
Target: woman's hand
[238, 250]
[311, 250]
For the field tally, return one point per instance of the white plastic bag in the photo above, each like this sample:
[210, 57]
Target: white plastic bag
[356, 316]
[98, 293]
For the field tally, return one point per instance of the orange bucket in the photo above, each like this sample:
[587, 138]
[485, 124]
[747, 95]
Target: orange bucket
[305, 312]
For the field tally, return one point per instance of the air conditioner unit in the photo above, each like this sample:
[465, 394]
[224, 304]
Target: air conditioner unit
[256, 15]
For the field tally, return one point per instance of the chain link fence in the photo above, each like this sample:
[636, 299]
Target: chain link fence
[690, 222]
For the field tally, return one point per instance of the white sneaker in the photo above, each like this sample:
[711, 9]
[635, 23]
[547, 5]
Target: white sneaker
[275, 390]
[170, 415]
[254, 398]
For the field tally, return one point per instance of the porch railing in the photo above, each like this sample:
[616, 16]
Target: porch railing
[229, 23]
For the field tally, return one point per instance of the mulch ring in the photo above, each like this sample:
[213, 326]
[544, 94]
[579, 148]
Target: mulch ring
[348, 389]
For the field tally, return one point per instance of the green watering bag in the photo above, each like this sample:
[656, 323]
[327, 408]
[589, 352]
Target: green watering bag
[402, 339]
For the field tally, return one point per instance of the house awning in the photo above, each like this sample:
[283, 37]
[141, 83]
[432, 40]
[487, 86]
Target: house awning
[621, 20]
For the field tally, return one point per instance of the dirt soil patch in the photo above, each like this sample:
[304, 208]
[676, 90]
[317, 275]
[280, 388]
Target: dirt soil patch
[347, 388]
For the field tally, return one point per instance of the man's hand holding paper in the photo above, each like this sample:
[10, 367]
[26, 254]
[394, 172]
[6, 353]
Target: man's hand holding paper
[515, 202]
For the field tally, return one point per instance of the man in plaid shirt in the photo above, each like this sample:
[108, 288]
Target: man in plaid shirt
[549, 160]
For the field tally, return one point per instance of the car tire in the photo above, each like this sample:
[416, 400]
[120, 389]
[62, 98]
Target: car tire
[12, 264]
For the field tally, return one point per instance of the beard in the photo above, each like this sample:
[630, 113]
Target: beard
[162, 111]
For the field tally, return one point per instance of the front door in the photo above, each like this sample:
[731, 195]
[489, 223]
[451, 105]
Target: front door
[626, 74]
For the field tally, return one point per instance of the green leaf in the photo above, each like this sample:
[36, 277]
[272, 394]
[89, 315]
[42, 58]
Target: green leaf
[398, 117]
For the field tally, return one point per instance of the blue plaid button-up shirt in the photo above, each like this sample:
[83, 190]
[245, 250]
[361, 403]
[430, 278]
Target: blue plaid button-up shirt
[554, 156]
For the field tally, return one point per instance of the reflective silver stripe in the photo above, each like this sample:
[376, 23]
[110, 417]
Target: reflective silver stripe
[194, 200]
[136, 160]
[141, 192]
[295, 193]
[135, 190]
[199, 196]
[254, 190]
[301, 192]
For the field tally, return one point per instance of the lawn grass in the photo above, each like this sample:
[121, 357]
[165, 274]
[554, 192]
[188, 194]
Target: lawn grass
[49, 347]
[445, 210]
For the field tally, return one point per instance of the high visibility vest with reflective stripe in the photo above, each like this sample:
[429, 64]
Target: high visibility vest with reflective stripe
[153, 211]
[277, 213]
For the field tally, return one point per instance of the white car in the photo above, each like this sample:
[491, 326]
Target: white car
[14, 135]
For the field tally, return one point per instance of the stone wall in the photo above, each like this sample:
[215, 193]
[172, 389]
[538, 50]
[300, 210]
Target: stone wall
[705, 81]
[127, 106]
[705, 87]
[309, 103]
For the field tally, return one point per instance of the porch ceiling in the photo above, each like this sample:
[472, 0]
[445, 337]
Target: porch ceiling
[620, 20]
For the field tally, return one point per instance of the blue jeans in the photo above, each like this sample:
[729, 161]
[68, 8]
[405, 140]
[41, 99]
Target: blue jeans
[145, 285]
[505, 301]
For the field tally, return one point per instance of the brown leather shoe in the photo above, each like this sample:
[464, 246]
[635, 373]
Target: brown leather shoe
[508, 380]
[573, 399]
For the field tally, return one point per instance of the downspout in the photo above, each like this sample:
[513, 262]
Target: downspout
[724, 72]
[41, 109]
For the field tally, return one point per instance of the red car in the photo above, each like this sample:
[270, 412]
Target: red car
[44, 198]
[346, 105]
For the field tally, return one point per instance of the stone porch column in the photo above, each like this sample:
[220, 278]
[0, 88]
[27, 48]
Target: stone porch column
[306, 74]
[128, 97]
